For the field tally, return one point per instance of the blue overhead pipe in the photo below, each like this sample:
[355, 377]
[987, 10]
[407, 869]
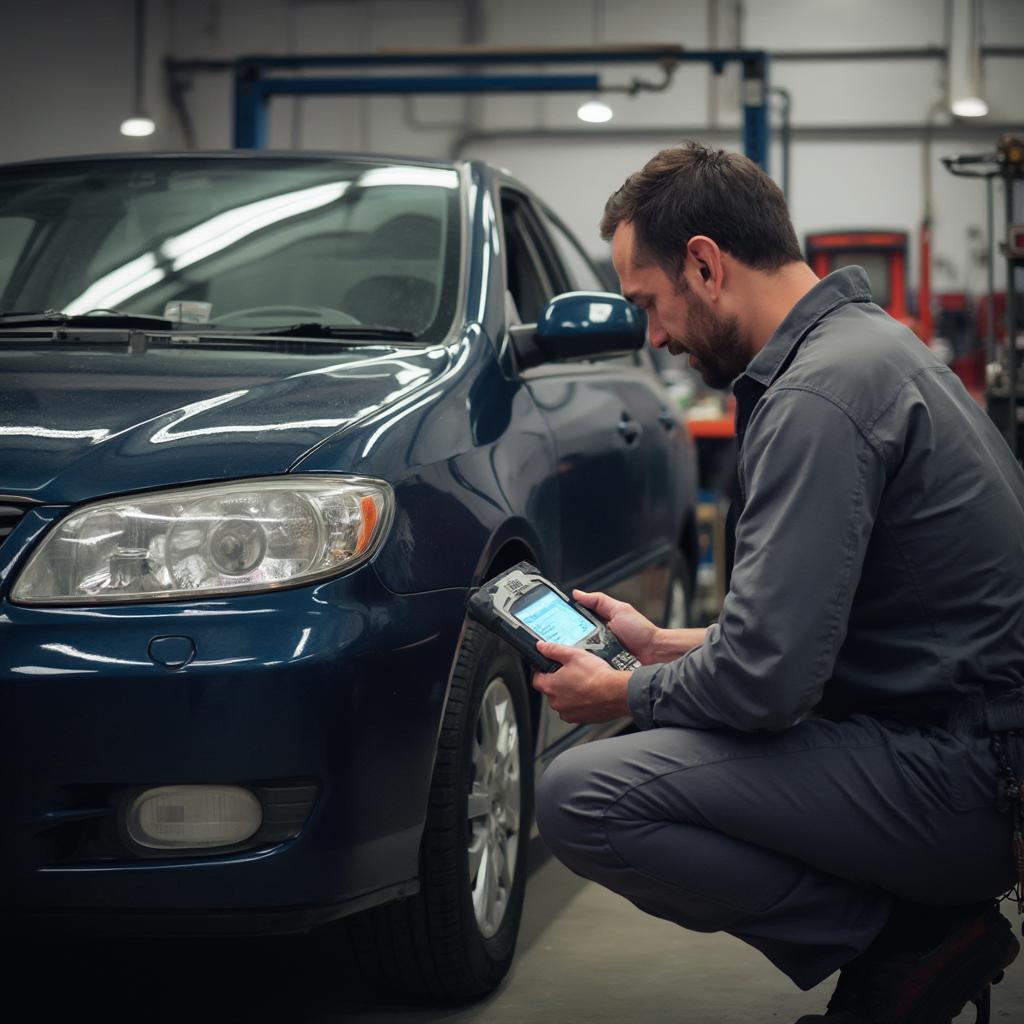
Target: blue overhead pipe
[251, 94]
[583, 55]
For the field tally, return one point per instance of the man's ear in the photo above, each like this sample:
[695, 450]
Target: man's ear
[707, 258]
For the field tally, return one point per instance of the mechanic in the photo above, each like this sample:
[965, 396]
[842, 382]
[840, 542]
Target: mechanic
[817, 772]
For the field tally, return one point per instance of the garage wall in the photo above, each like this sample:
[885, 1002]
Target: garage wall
[859, 126]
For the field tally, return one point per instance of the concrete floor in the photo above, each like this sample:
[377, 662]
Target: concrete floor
[585, 957]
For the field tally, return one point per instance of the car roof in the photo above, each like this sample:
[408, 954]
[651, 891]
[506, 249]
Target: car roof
[237, 154]
[478, 169]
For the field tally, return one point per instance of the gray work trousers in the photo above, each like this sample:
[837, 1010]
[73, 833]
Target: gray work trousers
[795, 841]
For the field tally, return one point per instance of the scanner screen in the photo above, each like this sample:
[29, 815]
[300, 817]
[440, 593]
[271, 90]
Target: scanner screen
[551, 618]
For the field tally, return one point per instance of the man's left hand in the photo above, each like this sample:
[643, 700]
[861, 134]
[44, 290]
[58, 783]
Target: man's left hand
[585, 689]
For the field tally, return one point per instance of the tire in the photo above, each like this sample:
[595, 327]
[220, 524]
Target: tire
[455, 939]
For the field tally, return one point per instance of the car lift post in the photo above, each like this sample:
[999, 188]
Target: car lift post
[1007, 162]
[254, 86]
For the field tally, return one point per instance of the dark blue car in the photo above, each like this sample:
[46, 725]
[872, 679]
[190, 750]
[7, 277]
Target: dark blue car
[265, 421]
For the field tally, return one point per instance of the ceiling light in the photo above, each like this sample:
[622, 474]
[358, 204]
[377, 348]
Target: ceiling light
[969, 106]
[138, 127]
[140, 124]
[964, 60]
[595, 112]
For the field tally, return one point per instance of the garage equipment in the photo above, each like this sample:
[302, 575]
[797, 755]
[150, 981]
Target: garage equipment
[882, 254]
[259, 78]
[1003, 385]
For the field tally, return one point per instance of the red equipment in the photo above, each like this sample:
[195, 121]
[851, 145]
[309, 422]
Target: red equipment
[883, 254]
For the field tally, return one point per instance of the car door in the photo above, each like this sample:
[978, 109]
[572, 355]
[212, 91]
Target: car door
[603, 417]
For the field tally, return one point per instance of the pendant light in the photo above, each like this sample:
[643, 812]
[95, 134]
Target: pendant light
[139, 124]
[965, 99]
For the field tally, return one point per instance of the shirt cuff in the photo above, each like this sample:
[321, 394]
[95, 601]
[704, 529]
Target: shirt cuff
[638, 694]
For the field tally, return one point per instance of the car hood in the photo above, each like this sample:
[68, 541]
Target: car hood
[79, 421]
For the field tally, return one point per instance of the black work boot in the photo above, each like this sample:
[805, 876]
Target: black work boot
[916, 984]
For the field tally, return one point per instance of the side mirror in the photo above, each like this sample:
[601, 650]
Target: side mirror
[580, 324]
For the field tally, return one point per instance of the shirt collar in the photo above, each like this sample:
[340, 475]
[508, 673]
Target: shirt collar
[849, 284]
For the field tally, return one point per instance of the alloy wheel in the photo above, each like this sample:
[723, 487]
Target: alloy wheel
[494, 807]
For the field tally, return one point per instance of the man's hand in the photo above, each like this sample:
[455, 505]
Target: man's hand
[647, 642]
[585, 689]
[635, 632]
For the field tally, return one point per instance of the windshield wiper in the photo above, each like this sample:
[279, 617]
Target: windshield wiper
[54, 318]
[117, 319]
[315, 329]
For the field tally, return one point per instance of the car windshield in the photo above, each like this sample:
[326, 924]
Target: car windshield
[237, 243]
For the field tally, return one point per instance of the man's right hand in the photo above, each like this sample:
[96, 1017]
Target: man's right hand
[641, 637]
[635, 632]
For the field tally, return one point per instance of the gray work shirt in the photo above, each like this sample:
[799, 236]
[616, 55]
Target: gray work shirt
[880, 548]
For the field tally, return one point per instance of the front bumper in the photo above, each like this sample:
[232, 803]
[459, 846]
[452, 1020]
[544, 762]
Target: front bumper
[339, 687]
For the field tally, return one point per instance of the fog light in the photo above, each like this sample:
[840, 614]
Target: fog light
[197, 817]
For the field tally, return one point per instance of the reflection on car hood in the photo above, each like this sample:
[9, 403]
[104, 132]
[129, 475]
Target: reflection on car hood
[79, 422]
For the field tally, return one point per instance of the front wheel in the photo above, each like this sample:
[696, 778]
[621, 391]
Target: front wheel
[456, 938]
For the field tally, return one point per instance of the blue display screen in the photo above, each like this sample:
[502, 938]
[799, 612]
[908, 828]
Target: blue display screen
[551, 618]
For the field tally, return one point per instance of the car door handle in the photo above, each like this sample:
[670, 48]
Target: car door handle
[668, 420]
[629, 428]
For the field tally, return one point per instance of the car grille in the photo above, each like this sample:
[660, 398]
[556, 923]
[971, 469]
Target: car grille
[11, 511]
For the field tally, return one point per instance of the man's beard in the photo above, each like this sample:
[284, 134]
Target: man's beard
[715, 343]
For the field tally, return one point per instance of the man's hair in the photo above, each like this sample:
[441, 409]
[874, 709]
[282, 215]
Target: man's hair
[693, 190]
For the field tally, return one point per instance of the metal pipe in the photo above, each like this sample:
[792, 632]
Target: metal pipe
[924, 274]
[472, 31]
[782, 56]
[459, 84]
[617, 54]
[712, 19]
[672, 133]
[177, 86]
[892, 53]
[785, 134]
[990, 274]
[140, 43]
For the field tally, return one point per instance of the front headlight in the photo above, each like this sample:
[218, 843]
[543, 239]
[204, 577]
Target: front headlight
[217, 539]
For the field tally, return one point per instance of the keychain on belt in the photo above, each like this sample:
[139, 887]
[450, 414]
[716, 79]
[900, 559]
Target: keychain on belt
[1010, 796]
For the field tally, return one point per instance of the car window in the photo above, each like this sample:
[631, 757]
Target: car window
[582, 275]
[529, 282]
[14, 234]
[567, 263]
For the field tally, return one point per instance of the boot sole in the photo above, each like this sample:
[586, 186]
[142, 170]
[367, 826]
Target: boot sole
[968, 974]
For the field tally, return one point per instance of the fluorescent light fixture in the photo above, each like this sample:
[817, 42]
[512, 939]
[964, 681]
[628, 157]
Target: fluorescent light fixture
[595, 112]
[138, 127]
[964, 62]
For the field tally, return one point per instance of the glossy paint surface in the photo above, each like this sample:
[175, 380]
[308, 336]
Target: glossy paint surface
[83, 419]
